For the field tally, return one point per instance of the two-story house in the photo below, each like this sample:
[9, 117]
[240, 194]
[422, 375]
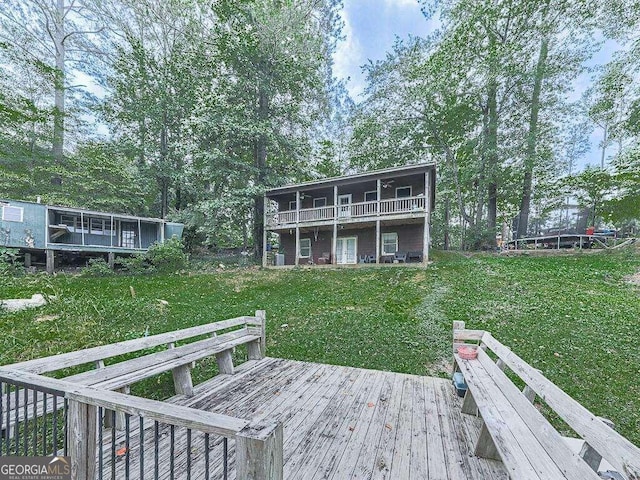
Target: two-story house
[381, 216]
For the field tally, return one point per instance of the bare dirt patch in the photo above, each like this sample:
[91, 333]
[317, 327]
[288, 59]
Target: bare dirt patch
[633, 279]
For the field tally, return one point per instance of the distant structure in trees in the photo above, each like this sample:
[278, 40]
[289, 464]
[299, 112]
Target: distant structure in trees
[39, 230]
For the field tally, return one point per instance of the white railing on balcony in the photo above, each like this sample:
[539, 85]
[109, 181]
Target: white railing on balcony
[315, 214]
[397, 205]
[391, 206]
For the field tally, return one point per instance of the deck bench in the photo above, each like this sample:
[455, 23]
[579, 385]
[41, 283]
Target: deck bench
[119, 376]
[517, 433]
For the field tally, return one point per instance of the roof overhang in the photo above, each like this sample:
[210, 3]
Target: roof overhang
[355, 178]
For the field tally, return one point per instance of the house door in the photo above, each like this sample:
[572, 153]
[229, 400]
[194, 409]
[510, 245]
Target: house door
[128, 235]
[344, 205]
[346, 250]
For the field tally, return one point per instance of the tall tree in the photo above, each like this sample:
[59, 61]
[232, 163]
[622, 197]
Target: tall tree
[54, 39]
[278, 54]
[156, 75]
[565, 44]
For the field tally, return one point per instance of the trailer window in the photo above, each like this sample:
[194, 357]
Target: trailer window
[12, 214]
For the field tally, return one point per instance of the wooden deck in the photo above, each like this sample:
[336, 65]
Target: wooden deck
[346, 423]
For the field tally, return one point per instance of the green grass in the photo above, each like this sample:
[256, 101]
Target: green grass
[573, 317]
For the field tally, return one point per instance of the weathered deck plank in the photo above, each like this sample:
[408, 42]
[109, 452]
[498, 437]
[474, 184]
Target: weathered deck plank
[339, 423]
[436, 465]
[365, 461]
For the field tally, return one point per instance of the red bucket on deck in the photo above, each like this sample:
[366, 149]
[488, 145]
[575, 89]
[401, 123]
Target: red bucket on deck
[467, 353]
[590, 230]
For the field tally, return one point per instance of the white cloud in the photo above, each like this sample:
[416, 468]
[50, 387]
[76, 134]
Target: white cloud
[401, 3]
[348, 57]
[370, 30]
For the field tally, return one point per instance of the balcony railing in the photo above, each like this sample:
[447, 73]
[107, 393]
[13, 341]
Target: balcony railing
[392, 206]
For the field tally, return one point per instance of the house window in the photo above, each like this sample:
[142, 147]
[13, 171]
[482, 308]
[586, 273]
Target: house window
[305, 247]
[12, 214]
[128, 238]
[319, 202]
[292, 205]
[403, 192]
[97, 226]
[371, 196]
[68, 220]
[389, 243]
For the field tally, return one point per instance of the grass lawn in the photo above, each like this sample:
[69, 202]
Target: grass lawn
[573, 317]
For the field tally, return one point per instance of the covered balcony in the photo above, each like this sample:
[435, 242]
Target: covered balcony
[360, 211]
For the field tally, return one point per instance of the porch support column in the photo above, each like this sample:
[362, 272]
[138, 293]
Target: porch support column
[264, 232]
[427, 216]
[82, 226]
[297, 261]
[139, 235]
[51, 261]
[112, 233]
[378, 194]
[378, 240]
[334, 243]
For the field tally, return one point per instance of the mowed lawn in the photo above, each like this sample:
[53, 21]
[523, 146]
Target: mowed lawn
[575, 317]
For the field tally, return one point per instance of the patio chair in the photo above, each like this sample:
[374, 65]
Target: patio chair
[325, 259]
[366, 259]
[400, 257]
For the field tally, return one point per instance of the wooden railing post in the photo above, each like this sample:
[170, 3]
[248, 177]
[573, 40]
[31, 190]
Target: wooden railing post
[262, 316]
[588, 453]
[182, 382]
[82, 428]
[259, 452]
[256, 350]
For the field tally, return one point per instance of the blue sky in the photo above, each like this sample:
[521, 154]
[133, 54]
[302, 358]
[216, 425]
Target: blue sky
[372, 26]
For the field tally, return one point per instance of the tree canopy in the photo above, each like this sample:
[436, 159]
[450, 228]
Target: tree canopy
[189, 110]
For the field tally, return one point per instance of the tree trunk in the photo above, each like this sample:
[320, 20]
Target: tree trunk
[164, 154]
[261, 168]
[532, 138]
[142, 157]
[480, 189]
[450, 159]
[604, 146]
[59, 91]
[447, 222]
[492, 160]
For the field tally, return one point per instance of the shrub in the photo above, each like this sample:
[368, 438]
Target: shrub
[136, 264]
[9, 264]
[168, 257]
[97, 267]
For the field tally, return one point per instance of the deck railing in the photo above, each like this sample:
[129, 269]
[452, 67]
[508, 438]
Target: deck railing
[112, 435]
[358, 210]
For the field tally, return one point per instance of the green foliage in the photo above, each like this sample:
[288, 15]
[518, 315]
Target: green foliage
[136, 264]
[9, 262]
[590, 187]
[167, 257]
[97, 267]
